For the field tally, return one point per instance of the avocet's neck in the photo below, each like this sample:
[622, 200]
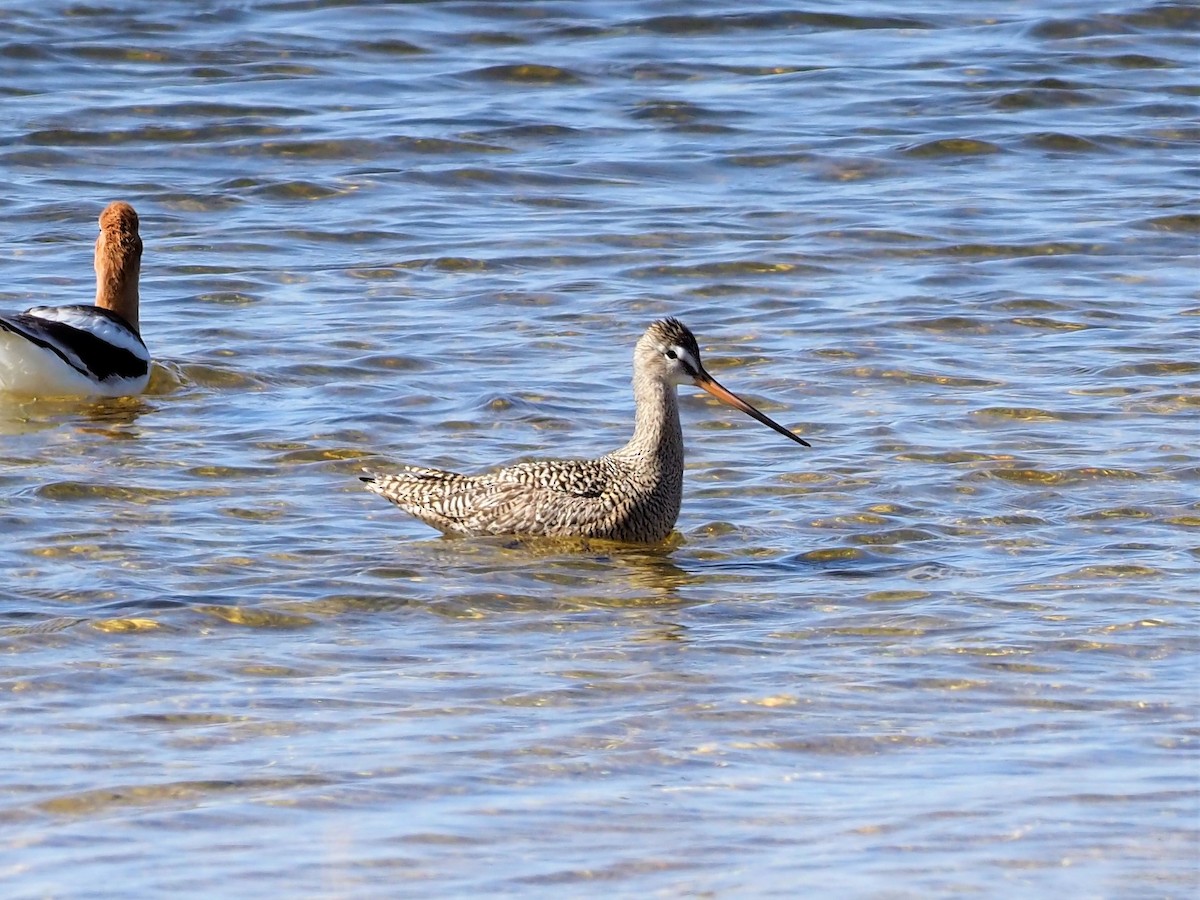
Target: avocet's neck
[118, 262]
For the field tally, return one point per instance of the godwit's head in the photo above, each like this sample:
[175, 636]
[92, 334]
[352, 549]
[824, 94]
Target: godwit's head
[668, 353]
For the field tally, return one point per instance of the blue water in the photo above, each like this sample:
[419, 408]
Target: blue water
[950, 650]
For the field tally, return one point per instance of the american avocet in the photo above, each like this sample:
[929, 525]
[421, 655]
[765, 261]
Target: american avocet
[84, 350]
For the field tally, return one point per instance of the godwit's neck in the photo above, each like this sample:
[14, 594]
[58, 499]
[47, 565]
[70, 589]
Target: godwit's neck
[657, 434]
[118, 266]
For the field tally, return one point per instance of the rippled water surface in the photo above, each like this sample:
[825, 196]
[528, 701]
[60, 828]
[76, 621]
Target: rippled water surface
[952, 649]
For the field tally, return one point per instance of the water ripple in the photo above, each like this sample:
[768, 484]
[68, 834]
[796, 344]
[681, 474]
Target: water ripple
[954, 248]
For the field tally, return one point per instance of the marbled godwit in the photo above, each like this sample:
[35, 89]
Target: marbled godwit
[631, 494]
[84, 350]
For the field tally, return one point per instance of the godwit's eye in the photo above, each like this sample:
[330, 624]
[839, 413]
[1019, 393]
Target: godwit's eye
[671, 354]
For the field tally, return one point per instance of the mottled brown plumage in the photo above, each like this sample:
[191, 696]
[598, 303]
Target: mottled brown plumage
[632, 494]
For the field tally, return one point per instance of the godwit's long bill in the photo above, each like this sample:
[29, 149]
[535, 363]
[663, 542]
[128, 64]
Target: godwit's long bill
[706, 382]
[84, 350]
[631, 494]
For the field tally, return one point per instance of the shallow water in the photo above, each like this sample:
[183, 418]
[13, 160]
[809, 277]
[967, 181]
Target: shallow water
[952, 649]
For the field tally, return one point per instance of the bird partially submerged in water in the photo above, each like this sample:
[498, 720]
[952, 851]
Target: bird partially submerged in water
[84, 350]
[632, 494]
